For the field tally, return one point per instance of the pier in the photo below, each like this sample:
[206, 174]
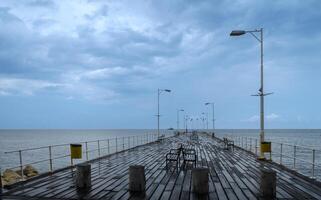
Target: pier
[233, 174]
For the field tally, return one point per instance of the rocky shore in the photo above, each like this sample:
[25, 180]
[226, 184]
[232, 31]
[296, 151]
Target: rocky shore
[10, 176]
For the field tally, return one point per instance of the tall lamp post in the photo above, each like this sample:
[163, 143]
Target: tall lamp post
[206, 120]
[178, 110]
[261, 93]
[159, 91]
[186, 120]
[203, 119]
[211, 103]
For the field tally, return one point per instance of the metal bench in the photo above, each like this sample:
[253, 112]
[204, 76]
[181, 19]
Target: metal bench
[228, 143]
[173, 157]
[161, 138]
[189, 155]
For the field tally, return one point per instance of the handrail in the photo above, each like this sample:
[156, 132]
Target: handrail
[293, 154]
[67, 144]
[113, 145]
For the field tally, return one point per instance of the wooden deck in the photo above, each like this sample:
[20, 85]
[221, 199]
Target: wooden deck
[233, 175]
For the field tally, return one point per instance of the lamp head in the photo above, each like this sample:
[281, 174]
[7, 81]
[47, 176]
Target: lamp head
[167, 90]
[237, 32]
[207, 104]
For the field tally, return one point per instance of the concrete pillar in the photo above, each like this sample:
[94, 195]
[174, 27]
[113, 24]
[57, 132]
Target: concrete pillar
[83, 176]
[268, 184]
[200, 180]
[137, 180]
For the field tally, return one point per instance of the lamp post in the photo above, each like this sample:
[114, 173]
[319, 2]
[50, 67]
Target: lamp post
[206, 120]
[178, 110]
[261, 93]
[203, 120]
[212, 103]
[186, 120]
[159, 91]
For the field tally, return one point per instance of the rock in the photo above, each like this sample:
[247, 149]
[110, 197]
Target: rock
[10, 177]
[30, 171]
[18, 172]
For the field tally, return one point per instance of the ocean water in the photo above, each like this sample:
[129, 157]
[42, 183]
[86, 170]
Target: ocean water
[11, 140]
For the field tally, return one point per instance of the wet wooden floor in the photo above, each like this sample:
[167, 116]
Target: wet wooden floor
[233, 175]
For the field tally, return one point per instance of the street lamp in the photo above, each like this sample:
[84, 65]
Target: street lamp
[159, 91]
[203, 119]
[207, 120]
[211, 103]
[261, 93]
[186, 118]
[178, 110]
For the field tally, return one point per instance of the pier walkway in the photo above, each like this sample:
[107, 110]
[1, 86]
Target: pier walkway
[233, 175]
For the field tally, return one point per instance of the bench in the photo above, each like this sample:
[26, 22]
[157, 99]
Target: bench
[173, 157]
[161, 138]
[228, 143]
[194, 136]
[189, 155]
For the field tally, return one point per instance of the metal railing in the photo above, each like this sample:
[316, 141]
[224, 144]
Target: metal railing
[300, 158]
[91, 150]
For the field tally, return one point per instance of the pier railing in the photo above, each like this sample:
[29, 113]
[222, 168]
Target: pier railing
[59, 156]
[302, 159]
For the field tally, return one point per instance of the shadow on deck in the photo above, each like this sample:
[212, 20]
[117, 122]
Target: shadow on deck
[233, 175]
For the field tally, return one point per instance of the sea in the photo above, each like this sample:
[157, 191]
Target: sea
[305, 144]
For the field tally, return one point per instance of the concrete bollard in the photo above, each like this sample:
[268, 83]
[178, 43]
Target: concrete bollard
[137, 180]
[200, 180]
[83, 176]
[268, 184]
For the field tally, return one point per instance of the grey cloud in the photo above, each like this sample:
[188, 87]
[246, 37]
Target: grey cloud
[42, 3]
[100, 12]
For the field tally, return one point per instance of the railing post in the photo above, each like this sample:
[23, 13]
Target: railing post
[133, 140]
[256, 146]
[71, 161]
[245, 143]
[86, 145]
[98, 144]
[50, 159]
[313, 162]
[281, 153]
[250, 144]
[116, 144]
[108, 147]
[294, 156]
[128, 142]
[123, 143]
[21, 165]
[242, 142]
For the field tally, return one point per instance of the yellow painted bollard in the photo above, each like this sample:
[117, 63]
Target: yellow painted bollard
[75, 151]
[266, 147]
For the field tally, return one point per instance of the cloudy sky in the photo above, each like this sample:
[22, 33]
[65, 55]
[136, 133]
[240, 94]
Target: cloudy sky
[98, 64]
